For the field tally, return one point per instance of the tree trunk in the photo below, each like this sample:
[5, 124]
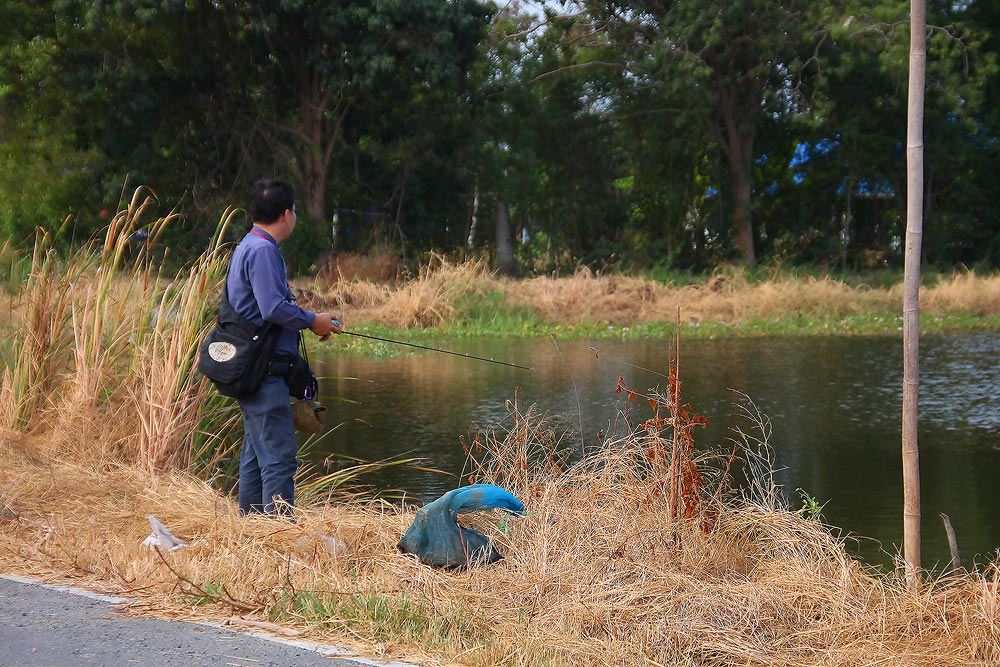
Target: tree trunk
[315, 195]
[470, 241]
[505, 248]
[736, 139]
[845, 239]
[911, 288]
[318, 138]
[318, 133]
[742, 223]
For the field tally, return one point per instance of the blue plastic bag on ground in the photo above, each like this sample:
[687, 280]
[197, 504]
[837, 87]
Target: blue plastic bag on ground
[438, 540]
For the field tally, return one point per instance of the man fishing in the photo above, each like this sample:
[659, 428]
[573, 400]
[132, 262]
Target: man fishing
[257, 288]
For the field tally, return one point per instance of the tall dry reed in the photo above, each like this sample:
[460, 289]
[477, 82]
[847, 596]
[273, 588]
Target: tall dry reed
[109, 304]
[108, 345]
[41, 312]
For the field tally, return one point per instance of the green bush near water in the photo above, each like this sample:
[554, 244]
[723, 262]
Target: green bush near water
[485, 314]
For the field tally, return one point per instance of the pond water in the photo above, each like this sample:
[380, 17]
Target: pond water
[834, 406]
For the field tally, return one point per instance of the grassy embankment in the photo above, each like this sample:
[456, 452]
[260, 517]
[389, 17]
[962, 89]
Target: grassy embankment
[628, 557]
[467, 299]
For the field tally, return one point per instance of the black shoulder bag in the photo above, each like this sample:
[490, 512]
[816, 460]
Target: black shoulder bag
[235, 354]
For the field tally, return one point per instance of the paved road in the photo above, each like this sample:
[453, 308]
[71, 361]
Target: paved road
[44, 627]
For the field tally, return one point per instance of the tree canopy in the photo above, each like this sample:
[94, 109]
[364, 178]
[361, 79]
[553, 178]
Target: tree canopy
[630, 133]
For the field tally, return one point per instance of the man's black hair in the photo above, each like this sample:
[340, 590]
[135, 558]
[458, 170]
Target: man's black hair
[269, 199]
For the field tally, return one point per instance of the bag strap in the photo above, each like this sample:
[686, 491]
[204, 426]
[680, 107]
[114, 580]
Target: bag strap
[229, 314]
[302, 348]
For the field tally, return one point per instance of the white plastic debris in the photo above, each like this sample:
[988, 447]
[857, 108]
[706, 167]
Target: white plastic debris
[325, 542]
[161, 537]
[334, 546]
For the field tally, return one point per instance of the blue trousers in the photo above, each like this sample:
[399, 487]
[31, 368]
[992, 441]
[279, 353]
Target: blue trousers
[268, 457]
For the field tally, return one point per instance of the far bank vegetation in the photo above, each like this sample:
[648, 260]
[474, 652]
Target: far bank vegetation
[448, 294]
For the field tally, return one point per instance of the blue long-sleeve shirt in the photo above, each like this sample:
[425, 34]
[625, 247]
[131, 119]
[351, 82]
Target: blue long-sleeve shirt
[257, 287]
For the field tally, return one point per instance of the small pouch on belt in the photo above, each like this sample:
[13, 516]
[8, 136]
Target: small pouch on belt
[280, 366]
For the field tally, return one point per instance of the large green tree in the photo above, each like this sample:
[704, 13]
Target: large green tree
[688, 133]
[546, 160]
[319, 62]
[97, 96]
[96, 92]
[849, 174]
[724, 63]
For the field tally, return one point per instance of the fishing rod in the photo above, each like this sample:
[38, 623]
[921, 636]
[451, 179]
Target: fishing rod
[436, 349]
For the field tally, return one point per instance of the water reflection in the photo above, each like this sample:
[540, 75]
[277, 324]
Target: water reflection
[834, 405]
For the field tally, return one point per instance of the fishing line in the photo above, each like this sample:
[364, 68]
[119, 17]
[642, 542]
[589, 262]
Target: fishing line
[437, 349]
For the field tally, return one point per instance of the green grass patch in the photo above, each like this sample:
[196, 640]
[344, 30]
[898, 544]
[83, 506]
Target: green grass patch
[384, 618]
[209, 591]
[8, 347]
[881, 278]
[869, 324]
[482, 314]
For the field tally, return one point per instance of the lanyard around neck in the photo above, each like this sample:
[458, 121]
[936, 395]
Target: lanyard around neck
[254, 230]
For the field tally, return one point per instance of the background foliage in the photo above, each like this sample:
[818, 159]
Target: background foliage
[634, 135]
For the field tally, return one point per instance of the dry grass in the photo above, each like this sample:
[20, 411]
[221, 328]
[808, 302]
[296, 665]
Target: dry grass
[963, 293]
[430, 298]
[593, 573]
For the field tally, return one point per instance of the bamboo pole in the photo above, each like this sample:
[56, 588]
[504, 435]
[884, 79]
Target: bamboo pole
[911, 288]
[676, 478]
